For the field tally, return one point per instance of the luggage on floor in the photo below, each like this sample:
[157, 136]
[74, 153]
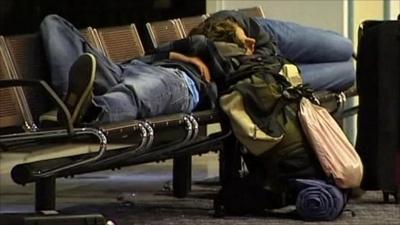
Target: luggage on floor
[318, 200]
[337, 156]
[378, 85]
[262, 109]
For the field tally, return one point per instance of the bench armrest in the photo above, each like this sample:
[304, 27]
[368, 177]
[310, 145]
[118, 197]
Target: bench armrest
[49, 91]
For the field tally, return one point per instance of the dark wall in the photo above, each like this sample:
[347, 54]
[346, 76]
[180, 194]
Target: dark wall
[24, 16]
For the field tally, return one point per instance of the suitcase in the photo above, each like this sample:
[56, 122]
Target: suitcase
[378, 86]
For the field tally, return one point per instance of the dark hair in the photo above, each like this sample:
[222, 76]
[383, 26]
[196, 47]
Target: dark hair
[217, 30]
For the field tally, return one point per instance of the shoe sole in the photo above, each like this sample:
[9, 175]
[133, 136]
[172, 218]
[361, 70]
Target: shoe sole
[81, 80]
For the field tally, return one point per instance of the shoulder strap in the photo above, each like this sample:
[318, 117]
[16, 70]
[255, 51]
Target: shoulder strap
[250, 65]
[264, 115]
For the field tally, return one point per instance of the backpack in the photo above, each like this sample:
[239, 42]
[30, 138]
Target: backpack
[262, 108]
[261, 111]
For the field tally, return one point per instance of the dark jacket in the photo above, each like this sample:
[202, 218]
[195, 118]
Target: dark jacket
[200, 46]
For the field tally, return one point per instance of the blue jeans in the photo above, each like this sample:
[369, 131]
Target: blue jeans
[324, 57]
[121, 91]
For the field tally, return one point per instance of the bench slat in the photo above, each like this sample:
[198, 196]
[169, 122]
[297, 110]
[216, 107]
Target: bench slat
[121, 43]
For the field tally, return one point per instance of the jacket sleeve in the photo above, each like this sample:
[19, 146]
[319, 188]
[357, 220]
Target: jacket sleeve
[162, 52]
[204, 48]
[265, 44]
[196, 45]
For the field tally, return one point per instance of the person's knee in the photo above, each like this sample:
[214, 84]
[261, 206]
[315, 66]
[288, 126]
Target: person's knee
[342, 46]
[343, 77]
[51, 18]
[51, 21]
[335, 76]
[305, 44]
[349, 74]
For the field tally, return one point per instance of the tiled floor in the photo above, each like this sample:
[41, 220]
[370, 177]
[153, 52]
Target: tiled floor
[153, 202]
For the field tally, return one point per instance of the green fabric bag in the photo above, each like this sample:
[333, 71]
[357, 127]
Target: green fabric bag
[261, 115]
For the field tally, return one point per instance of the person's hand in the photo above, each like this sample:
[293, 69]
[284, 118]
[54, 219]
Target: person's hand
[201, 66]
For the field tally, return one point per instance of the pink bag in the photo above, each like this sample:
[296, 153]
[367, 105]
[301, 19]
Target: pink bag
[336, 154]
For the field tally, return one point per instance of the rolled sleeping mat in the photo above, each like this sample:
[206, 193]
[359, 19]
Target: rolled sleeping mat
[318, 201]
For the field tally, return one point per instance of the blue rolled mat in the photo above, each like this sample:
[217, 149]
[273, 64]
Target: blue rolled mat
[318, 201]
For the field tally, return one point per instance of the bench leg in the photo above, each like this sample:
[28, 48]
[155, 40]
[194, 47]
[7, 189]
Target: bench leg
[182, 175]
[45, 194]
[229, 160]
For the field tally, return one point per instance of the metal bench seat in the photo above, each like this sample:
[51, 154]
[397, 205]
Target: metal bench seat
[54, 152]
[60, 152]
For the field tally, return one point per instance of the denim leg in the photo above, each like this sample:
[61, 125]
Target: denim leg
[333, 76]
[118, 104]
[63, 44]
[146, 91]
[304, 44]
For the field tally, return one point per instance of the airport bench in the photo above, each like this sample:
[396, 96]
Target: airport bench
[55, 151]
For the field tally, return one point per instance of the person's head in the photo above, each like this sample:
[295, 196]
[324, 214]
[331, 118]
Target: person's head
[226, 31]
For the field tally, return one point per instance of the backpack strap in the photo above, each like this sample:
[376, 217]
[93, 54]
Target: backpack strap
[266, 120]
[250, 65]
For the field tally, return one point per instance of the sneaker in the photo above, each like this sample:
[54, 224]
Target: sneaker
[80, 91]
[49, 118]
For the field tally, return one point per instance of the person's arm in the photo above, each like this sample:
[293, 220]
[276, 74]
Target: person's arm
[203, 54]
[179, 50]
[163, 52]
[199, 63]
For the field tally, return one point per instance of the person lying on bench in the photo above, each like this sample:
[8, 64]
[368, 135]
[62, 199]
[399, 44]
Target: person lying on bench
[324, 57]
[173, 80]
[164, 83]
[139, 88]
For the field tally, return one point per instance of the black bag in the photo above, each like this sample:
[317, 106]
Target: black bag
[266, 184]
[245, 196]
[378, 85]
